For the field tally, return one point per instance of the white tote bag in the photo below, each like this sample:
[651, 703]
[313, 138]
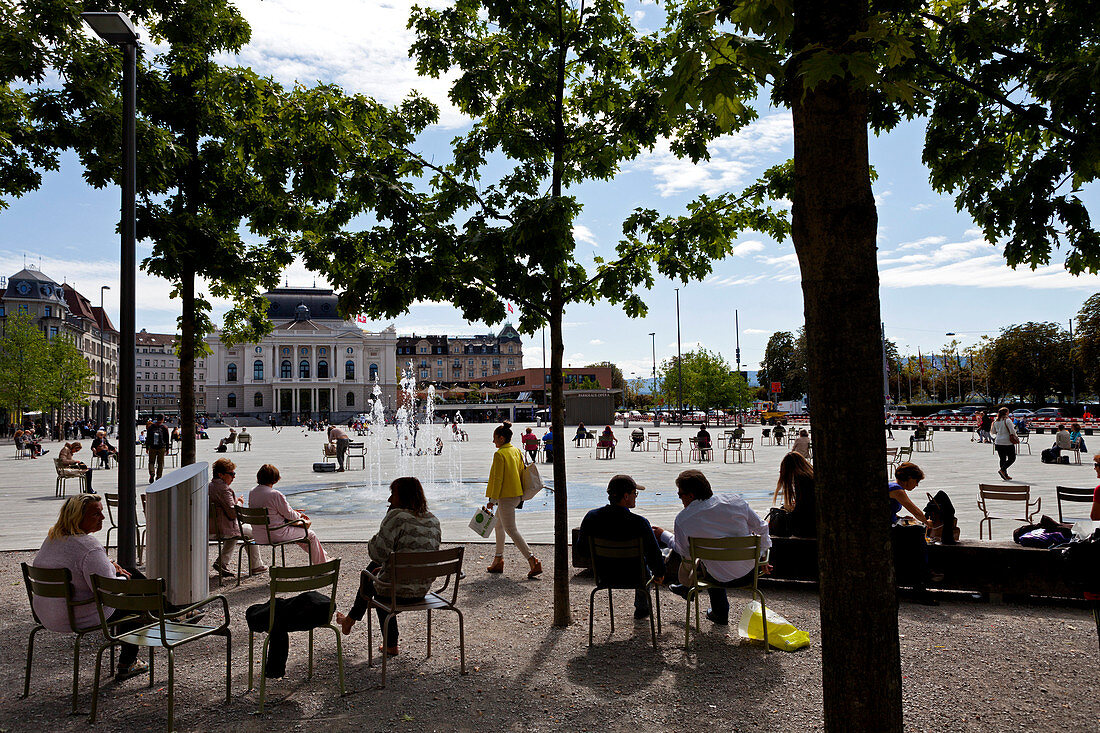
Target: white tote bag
[483, 521]
[531, 481]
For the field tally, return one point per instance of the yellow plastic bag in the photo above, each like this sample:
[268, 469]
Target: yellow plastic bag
[781, 633]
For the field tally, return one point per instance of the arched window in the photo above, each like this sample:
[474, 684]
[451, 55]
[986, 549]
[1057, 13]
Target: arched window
[258, 370]
[322, 369]
[258, 399]
[285, 369]
[351, 399]
[231, 399]
[231, 372]
[303, 369]
[349, 369]
[374, 372]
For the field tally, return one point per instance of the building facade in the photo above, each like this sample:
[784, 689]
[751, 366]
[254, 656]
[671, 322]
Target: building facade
[461, 360]
[59, 310]
[157, 377]
[314, 364]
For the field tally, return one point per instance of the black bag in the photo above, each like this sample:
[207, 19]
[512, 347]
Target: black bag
[941, 511]
[1082, 560]
[324, 467]
[779, 522]
[1049, 455]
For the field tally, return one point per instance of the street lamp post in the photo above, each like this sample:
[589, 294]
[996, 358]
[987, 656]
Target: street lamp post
[116, 29]
[653, 338]
[679, 364]
[102, 363]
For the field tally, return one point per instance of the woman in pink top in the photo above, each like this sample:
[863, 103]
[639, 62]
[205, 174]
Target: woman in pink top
[264, 496]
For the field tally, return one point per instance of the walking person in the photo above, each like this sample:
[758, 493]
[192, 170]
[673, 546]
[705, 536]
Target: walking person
[506, 491]
[1004, 441]
[157, 439]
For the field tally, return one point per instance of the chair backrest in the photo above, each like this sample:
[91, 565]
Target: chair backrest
[747, 442]
[111, 501]
[674, 442]
[618, 554]
[428, 565]
[1073, 494]
[1005, 492]
[256, 517]
[136, 595]
[299, 579]
[50, 583]
[725, 549]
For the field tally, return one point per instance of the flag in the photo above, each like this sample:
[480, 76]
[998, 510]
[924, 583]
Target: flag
[510, 308]
[920, 359]
[361, 319]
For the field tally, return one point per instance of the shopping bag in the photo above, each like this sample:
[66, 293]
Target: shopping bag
[781, 633]
[530, 480]
[483, 521]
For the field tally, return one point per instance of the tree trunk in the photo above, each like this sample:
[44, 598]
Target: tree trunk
[187, 366]
[834, 229]
[562, 612]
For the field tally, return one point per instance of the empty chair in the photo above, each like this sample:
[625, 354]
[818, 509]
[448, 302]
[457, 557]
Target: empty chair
[745, 446]
[1018, 494]
[1076, 495]
[356, 450]
[674, 447]
[621, 564]
[111, 500]
[891, 456]
[653, 441]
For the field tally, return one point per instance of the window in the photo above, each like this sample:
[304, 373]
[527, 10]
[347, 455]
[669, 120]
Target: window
[439, 374]
[374, 372]
[285, 369]
[146, 362]
[48, 312]
[231, 372]
[146, 375]
[258, 371]
[322, 369]
[231, 399]
[349, 369]
[53, 331]
[258, 399]
[23, 309]
[350, 400]
[439, 362]
[303, 369]
[147, 388]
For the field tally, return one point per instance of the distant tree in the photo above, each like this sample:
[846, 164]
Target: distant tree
[617, 379]
[1032, 360]
[1087, 342]
[68, 377]
[781, 364]
[709, 383]
[22, 364]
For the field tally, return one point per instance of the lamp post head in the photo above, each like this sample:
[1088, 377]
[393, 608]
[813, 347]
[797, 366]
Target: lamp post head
[114, 28]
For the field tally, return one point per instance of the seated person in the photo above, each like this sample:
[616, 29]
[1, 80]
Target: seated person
[636, 438]
[1075, 437]
[919, 433]
[24, 439]
[607, 440]
[801, 444]
[232, 437]
[615, 521]
[702, 441]
[531, 443]
[65, 460]
[103, 450]
[1022, 427]
[223, 514]
[779, 432]
[548, 445]
[910, 548]
[1062, 441]
[265, 496]
[582, 434]
[739, 432]
[407, 527]
[438, 446]
[707, 514]
[798, 515]
[71, 544]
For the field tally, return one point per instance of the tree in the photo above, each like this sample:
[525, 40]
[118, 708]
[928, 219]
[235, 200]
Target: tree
[709, 382]
[1031, 359]
[617, 379]
[560, 95]
[67, 375]
[784, 363]
[1087, 342]
[22, 364]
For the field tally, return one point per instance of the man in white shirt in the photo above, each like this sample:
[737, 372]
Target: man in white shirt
[707, 514]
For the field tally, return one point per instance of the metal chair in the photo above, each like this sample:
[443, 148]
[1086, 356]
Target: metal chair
[1012, 493]
[64, 474]
[1025, 442]
[891, 456]
[722, 549]
[406, 566]
[733, 447]
[111, 500]
[653, 441]
[299, 580]
[925, 444]
[243, 442]
[628, 571]
[746, 447]
[699, 454]
[1072, 494]
[905, 453]
[766, 437]
[56, 583]
[145, 599]
[328, 450]
[260, 518]
[608, 451]
[675, 447]
[356, 450]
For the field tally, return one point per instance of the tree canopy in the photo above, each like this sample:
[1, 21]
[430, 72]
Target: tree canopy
[709, 382]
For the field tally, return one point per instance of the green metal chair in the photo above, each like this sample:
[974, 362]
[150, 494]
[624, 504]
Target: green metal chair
[298, 580]
[621, 552]
[111, 502]
[144, 599]
[260, 518]
[56, 583]
[405, 566]
[725, 549]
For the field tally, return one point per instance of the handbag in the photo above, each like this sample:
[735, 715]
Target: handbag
[779, 522]
[483, 521]
[530, 480]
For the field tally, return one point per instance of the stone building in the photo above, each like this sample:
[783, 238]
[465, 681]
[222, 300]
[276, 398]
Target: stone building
[461, 360]
[314, 364]
[158, 376]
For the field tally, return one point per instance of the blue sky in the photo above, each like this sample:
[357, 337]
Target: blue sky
[937, 273]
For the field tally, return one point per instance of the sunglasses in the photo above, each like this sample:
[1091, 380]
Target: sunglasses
[230, 473]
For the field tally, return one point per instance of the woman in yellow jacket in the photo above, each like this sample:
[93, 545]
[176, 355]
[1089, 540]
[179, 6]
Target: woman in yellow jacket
[506, 491]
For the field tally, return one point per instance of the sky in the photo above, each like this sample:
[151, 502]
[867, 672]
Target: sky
[937, 273]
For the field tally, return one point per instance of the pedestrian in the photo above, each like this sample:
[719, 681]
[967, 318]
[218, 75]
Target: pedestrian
[505, 490]
[157, 440]
[1004, 442]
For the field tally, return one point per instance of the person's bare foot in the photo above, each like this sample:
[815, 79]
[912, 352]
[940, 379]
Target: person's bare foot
[344, 622]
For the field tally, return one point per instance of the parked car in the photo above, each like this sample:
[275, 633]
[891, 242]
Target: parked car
[1017, 414]
[1048, 413]
[946, 413]
[968, 410]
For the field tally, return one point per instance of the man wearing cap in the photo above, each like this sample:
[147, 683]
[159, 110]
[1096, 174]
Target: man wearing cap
[614, 521]
[711, 515]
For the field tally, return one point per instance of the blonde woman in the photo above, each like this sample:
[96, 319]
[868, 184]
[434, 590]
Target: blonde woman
[506, 491]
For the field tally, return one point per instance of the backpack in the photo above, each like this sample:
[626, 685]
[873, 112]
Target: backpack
[941, 511]
[1048, 456]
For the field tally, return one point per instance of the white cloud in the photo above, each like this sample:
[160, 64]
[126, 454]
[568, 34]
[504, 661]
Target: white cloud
[922, 242]
[733, 158]
[880, 198]
[747, 247]
[581, 233]
[639, 16]
[754, 331]
[596, 342]
[920, 207]
[726, 282]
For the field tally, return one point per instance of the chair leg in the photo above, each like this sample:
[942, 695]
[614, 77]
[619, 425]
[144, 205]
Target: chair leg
[95, 685]
[76, 669]
[309, 672]
[228, 666]
[611, 610]
[429, 632]
[764, 618]
[30, 657]
[652, 623]
[687, 621]
[462, 640]
[339, 659]
[263, 672]
[171, 687]
[591, 612]
[251, 638]
[657, 605]
[370, 638]
[240, 555]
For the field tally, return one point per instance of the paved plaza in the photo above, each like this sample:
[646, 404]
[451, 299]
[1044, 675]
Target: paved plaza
[349, 506]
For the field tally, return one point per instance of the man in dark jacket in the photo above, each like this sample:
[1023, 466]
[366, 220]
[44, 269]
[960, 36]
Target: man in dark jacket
[615, 521]
[157, 439]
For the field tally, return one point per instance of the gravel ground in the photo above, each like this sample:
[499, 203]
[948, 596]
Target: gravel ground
[967, 666]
